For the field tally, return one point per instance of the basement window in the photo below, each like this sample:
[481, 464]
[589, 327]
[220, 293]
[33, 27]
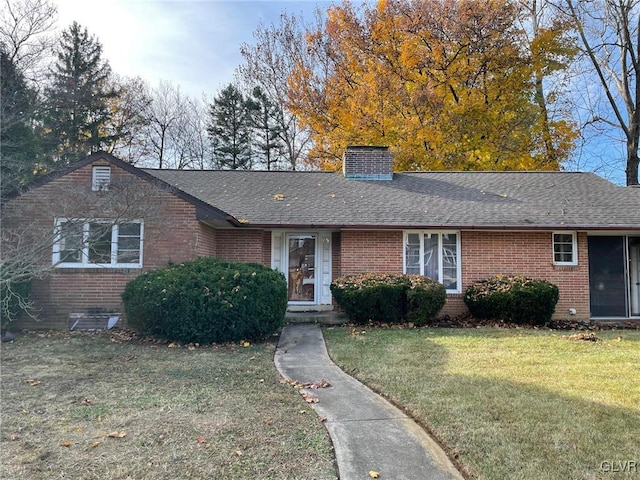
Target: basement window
[101, 178]
[565, 248]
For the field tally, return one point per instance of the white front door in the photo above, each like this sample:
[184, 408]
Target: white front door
[305, 260]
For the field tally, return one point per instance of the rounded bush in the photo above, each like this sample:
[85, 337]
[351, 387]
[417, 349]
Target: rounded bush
[207, 300]
[388, 298]
[425, 299]
[516, 299]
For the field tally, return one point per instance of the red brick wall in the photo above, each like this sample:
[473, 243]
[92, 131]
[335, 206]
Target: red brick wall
[370, 251]
[529, 253]
[207, 241]
[266, 248]
[242, 246]
[483, 254]
[336, 255]
[171, 234]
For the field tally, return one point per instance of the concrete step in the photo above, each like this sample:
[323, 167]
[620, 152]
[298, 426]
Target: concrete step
[320, 318]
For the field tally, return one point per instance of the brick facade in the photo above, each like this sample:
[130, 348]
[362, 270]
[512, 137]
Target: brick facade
[173, 234]
[483, 254]
[370, 251]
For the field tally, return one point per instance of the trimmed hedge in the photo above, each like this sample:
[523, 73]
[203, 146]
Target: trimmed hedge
[425, 298]
[515, 299]
[207, 300]
[388, 298]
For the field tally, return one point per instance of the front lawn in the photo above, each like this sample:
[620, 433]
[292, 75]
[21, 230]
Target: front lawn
[108, 407]
[516, 404]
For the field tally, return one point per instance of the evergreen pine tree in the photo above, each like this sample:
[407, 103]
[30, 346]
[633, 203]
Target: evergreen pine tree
[268, 143]
[77, 99]
[229, 129]
[18, 141]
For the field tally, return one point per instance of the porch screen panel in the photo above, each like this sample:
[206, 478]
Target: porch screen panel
[607, 286]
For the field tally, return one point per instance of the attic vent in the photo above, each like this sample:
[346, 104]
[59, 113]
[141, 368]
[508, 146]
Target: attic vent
[101, 179]
[367, 163]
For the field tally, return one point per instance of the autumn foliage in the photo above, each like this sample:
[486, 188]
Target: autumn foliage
[448, 84]
[207, 300]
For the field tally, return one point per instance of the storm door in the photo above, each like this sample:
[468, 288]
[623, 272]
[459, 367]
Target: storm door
[301, 266]
[607, 276]
[634, 269]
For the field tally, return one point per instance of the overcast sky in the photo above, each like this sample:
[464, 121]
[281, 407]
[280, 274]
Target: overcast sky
[192, 43]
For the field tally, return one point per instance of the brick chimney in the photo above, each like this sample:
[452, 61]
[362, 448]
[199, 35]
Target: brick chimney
[367, 163]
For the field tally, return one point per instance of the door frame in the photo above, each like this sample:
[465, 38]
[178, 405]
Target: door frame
[322, 265]
[631, 276]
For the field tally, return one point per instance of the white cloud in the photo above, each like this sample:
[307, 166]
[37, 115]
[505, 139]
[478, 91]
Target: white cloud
[191, 43]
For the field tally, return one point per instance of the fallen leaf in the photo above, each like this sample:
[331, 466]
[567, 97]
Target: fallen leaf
[33, 383]
[309, 398]
[117, 434]
[201, 439]
[374, 474]
[95, 444]
[278, 196]
[238, 453]
[246, 344]
[66, 444]
[172, 345]
[207, 445]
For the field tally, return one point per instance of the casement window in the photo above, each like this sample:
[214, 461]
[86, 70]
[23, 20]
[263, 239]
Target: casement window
[98, 243]
[101, 178]
[435, 255]
[565, 248]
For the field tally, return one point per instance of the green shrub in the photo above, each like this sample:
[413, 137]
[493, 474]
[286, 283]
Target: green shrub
[425, 298]
[388, 298]
[207, 300]
[516, 299]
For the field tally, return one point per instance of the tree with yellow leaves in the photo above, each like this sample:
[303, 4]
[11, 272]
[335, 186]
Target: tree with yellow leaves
[448, 84]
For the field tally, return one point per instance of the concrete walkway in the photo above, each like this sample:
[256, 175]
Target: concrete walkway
[368, 433]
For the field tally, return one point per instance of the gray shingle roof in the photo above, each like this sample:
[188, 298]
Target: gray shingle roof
[415, 200]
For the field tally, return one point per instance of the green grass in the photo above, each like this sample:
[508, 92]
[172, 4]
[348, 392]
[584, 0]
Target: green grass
[510, 404]
[206, 412]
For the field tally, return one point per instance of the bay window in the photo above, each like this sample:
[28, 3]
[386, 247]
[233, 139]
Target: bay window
[435, 255]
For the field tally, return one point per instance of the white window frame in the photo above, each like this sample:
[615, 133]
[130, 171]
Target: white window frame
[574, 248]
[421, 234]
[85, 263]
[101, 178]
